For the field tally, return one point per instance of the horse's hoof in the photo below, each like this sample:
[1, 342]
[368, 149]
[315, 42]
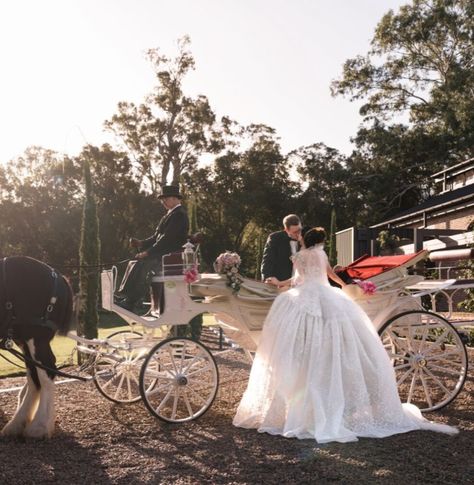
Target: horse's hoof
[37, 431]
[13, 429]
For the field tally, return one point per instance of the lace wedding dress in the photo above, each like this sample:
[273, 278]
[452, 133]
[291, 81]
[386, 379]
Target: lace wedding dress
[320, 370]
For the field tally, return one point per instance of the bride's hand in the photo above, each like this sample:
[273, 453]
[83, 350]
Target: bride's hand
[272, 281]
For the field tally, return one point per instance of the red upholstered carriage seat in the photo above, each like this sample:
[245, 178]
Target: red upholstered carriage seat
[369, 266]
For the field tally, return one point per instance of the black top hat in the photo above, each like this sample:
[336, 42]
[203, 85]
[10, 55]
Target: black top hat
[170, 191]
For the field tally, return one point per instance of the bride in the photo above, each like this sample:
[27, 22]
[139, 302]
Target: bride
[320, 370]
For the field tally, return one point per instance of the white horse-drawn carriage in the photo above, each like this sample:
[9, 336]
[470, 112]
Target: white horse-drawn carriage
[177, 378]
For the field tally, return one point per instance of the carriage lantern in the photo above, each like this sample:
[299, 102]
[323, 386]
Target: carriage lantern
[188, 255]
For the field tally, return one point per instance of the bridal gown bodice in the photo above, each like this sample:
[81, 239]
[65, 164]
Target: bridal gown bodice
[320, 370]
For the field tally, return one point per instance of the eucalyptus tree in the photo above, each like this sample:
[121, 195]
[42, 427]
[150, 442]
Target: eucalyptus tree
[168, 131]
[421, 64]
[416, 84]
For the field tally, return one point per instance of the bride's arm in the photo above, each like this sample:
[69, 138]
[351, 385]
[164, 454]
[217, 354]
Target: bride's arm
[334, 276]
[276, 282]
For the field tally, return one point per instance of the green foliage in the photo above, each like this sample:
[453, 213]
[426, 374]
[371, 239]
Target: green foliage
[420, 68]
[329, 185]
[89, 259]
[241, 195]
[40, 207]
[169, 130]
[387, 242]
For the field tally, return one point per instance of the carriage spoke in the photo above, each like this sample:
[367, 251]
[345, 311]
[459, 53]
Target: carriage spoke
[402, 366]
[193, 362]
[119, 386]
[156, 390]
[183, 354]
[404, 377]
[199, 371]
[172, 360]
[165, 399]
[436, 380]
[129, 388]
[115, 375]
[412, 385]
[175, 403]
[423, 340]
[445, 354]
[444, 369]
[203, 401]
[427, 391]
[188, 404]
[397, 341]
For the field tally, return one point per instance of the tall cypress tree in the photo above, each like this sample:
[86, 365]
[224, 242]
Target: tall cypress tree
[89, 257]
[332, 239]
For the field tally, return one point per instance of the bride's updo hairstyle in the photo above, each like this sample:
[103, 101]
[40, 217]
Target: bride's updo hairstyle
[314, 236]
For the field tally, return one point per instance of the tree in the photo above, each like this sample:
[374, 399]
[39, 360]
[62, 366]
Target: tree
[123, 209]
[243, 194]
[168, 131]
[328, 186]
[89, 261]
[41, 207]
[419, 68]
[421, 63]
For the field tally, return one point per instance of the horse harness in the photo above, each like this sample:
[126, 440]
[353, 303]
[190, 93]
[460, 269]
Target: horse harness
[45, 321]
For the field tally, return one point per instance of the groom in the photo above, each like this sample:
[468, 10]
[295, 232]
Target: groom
[279, 248]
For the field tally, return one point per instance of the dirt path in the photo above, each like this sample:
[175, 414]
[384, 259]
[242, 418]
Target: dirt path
[102, 443]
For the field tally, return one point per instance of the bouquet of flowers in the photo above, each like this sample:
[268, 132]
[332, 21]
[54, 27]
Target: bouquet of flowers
[228, 263]
[367, 287]
[191, 275]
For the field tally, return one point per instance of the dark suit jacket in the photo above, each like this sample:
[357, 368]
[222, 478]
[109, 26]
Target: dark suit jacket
[276, 256]
[170, 235]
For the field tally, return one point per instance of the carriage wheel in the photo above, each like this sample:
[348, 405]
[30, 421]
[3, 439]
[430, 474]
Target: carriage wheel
[116, 375]
[179, 380]
[428, 356]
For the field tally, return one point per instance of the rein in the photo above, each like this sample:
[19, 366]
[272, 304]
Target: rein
[7, 344]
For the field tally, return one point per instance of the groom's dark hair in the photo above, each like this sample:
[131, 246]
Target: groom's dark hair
[314, 236]
[291, 220]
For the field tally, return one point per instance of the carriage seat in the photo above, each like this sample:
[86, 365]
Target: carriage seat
[173, 264]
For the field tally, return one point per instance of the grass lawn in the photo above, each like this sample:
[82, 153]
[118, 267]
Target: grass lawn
[64, 347]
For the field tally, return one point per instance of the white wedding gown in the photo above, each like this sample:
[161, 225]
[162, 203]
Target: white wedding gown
[320, 370]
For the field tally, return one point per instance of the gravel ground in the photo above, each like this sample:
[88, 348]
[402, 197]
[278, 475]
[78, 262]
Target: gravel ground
[99, 442]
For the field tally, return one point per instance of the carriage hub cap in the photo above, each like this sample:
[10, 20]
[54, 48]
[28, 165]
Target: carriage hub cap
[420, 360]
[181, 380]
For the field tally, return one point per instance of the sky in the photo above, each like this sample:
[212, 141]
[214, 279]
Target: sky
[65, 64]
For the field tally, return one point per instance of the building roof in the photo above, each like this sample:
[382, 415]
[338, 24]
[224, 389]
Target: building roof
[454, 170]
[445, 199]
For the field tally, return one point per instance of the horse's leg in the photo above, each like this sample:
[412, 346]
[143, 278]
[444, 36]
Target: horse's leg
[27, 401]
[42, 425]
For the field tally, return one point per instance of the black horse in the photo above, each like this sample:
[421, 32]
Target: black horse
[36, 302]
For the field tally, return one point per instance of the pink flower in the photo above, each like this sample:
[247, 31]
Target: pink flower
[191, 275]
[367, 287]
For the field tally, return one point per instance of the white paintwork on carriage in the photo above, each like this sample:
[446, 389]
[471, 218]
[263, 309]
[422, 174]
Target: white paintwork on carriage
[391, 296]
[241, 316]
[35, 414]
[448, 288]
[428, 287]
